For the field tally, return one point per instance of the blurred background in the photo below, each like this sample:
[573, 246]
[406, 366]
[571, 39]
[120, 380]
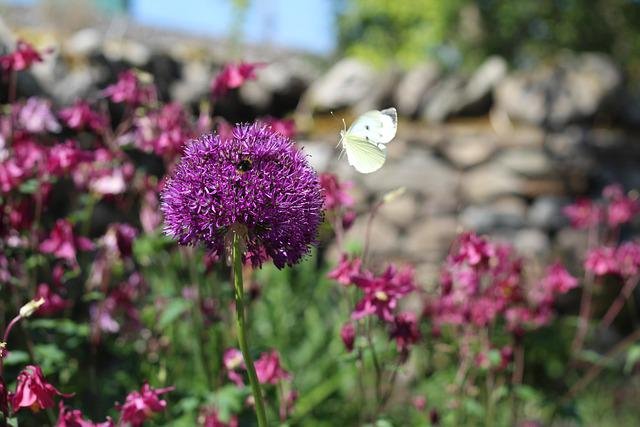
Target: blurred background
[509, 110]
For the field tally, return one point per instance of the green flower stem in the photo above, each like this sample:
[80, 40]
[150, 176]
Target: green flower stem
[236, 261]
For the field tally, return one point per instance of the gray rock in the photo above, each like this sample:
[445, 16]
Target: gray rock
[487, 182]
[84, 43]
[129, 51]
[401, 211]
[346, 83]
[411, 89]
[531, 242]
[507, 212]
[478, 91]
[575, 88]
[420, 172]
[194, 83]
[469, 150]
[79, 83]
[382, 94]
[384, 237]
[546, 213]
[526, 161]
[319, 154]
[444, 99]
[431, 239]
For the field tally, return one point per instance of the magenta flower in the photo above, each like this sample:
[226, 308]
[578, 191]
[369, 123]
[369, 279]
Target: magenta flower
[583, 214]
[628, 258]
[81, 116]
[130, 89]
[621, 208]
[212, 419]
[35, 116]
[233, 76]
[473, 249]
[119, 239]
[256, 183]
[62, 158]
[336, 194]
[63, 244]
[286, 127]
[21, 58]
[33, 391]
[346, 269]
[601, 261]
[381, 293]
[269, 370]
[74, 418]
[233, 361]
[11, 175]
[558, 280]
[164, 131]
[404, 330]
[348, 336]
[139, 406]
[53, 303]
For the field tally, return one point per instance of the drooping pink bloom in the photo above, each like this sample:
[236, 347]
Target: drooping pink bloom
[119, 239]
[21, 58]
[346, 269]
[212, 419]
[583, 213]
[336, 194]
[601, 261]
[628, 258]
[381, 293]
[558, 280]
[10, 175]
[74, 418]
[163, 131]
[233, 361]
[33, 391]
[64, 157]
[233, 76]
[35, 116]
[81, 116]
[473, 249]
[419, 402]
[404, 330]
[348, 336]
[53, 303]
[269, 370]
[621, 208]
[63, 244]
[286, 127]
[130, 89]
[139, 406]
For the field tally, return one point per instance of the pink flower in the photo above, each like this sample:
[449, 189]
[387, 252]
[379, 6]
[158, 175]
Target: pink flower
[4, 394]
[119, 239]
[139, 406]
[348, 336]
[233, 76]
[345, 270]
[419, 402]
[63, 244]
[269, 370]
[35, 116]
[74, 418]
[164, 131]
[628, 258]
[557, 279]
[336, 194]
[33, 391]
[233, 361]
[81, 116]
[473, 249]
[20, 59]
[62, 158]
[10, 175]
[381, 294]
[404, 330]
[621, 208]
[286, 127]
[212, 419]
[601, 261]
[583, 214]
[130, 89]
[53, 303]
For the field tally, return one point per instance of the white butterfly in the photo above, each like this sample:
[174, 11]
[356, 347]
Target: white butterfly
[365, 141]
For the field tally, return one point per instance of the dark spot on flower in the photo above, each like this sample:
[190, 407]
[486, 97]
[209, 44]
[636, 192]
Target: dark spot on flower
[245, 165]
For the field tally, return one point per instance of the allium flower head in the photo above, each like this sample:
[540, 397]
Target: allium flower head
[255, 183]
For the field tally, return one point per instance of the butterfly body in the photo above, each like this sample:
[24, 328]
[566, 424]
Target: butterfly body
[366, 139]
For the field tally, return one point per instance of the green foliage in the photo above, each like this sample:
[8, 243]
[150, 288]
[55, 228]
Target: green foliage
[470, 30]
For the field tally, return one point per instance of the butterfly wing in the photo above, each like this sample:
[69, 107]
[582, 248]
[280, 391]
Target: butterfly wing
[376, 127]
[364, 156]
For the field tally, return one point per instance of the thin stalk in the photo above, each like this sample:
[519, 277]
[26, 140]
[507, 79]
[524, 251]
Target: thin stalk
[585, 303]
[629, 285]
[238, 286]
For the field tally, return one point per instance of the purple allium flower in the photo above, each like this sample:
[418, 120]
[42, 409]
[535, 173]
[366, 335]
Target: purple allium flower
[256, 183]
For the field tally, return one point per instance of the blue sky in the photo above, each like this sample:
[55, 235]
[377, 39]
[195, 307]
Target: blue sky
[305, 24]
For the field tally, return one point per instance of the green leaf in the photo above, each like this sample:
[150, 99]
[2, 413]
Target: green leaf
[16, 358]
[174, 310]
[29, 187]
[633, 357]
